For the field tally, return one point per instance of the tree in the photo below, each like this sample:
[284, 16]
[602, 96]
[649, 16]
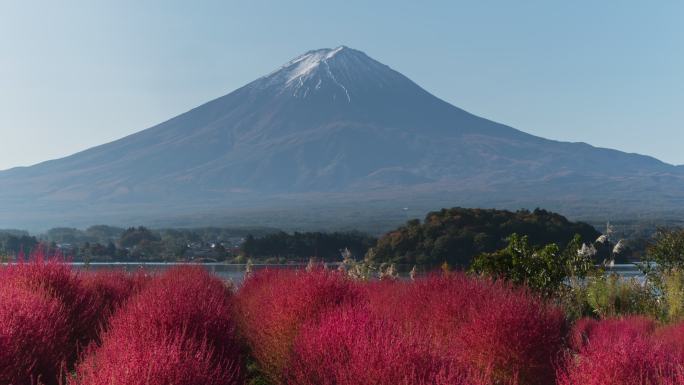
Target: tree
[664, 256]
[302, 246]
[15, 244]
[135, 236]
[110, 250]
[544, 269]
[667, 250]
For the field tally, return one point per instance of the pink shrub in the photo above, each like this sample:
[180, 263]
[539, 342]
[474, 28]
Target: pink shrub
[352, 346]
[46, 274]
[56, 279]
[580, 332]
[274, 304]
[187, 299]
[180, 328]
[512, 337]
[451, 329]
[156, 360]
[395, 298]
[33, 336]
[496, 333]
[440, 304]
[673, 337]
[107, 290]
[621, 352]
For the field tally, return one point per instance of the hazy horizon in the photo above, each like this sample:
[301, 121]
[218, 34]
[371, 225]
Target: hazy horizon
[612, 83]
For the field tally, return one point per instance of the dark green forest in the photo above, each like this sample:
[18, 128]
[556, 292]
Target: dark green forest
[456, 235]
[322, 246]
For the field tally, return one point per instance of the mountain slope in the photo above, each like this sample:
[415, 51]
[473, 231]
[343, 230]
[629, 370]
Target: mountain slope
[332, 124]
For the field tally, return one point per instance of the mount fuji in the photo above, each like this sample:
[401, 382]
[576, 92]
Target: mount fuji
[331, 131]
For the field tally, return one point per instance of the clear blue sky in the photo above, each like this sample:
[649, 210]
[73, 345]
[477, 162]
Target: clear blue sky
[74, 74]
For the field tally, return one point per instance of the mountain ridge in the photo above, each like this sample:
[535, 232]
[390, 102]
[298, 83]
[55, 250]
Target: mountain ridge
[335, 121]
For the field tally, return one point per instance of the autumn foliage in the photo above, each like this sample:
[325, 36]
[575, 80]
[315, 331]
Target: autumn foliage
[34, 332]
[626, 351]
[352, 345]
[442, 329]
[273, 305]
[49, 314]
[179, 330]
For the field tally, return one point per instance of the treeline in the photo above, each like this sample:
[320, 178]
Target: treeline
[454, 236]
[117, 244]
[104, 234]
[322, 246]
[14, 242]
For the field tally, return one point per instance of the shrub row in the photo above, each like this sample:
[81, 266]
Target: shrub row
[179, 330]
[322, 328]
[49, 313]
[274, 304]
[186, 327]
[626, 351]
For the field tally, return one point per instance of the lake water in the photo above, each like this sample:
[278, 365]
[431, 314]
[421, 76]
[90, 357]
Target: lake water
[627, 270]
[236, 272]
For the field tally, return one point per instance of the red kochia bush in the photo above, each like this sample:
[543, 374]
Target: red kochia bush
[84, 301]
[178, 330]
[34, 334]
[672, 339]
[51, 276]
[580, 333]
[107, 290]
[274, 304]
[621, 352]
[513, 337]
[496, 333]
[187, 299]
[161, 359]
[672, 336]
[89, 298]
[352, 346]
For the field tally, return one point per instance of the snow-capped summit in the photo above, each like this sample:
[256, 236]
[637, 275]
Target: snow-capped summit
[304, 65]
[333, 72]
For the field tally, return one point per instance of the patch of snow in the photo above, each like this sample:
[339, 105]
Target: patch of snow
[302, 66]
[295, 75]
[328, 71]
[327, 67]
[298, 68]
